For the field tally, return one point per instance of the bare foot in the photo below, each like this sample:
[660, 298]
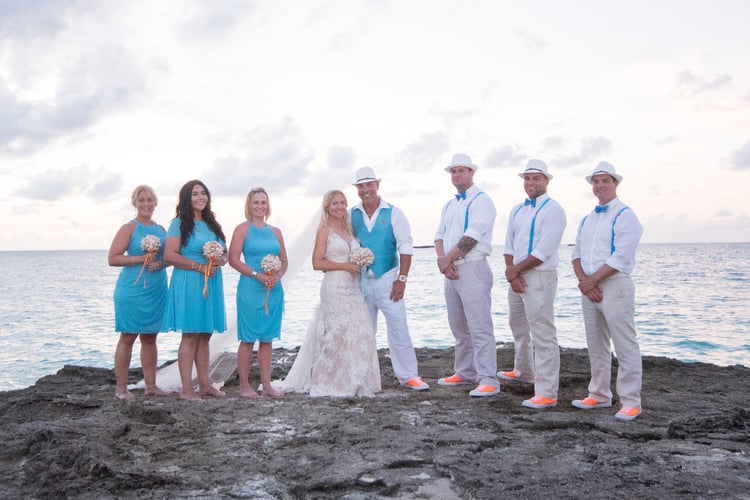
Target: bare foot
[190, 396]
[248, 393]
[125, 395]
[156, 391]
[272, 393]
[211, 391]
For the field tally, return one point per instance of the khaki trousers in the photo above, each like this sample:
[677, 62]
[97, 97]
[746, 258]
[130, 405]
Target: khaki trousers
[612, 322]
[469, 303]
[531, 316]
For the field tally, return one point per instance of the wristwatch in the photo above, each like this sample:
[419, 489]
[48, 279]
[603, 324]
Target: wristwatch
[254, 273]
[402, 278]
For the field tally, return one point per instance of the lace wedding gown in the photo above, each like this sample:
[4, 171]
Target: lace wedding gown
[339, 355]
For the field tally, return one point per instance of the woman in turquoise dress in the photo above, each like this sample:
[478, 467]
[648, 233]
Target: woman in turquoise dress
[260, 296]
[140, 293]
[195, 302]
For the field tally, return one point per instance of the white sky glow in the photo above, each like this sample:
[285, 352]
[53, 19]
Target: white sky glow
[97, 97]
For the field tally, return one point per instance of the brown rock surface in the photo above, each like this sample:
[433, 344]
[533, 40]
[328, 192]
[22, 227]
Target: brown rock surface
[67, 436]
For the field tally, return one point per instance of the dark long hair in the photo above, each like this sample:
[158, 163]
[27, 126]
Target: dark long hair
[184, 212]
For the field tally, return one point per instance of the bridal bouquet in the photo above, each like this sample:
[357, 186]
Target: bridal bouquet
[149, 244]
[211, 250]
[271, 264]
[362, 256]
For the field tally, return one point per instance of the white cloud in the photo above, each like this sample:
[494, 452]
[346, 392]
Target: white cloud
[740, 158]
[56, 184]
[50, 89]
[106, 184]
[723, 212]
[274, 156]
[660, 227]
[32, 19]
[505, 156]
[693, 84]
[666, 140]
[530, 40]
[341, 157]
[202, 21]
[591, 149]
[552, 143]
[421, 155]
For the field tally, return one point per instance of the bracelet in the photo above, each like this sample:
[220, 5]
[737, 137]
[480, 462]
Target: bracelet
[193, 266]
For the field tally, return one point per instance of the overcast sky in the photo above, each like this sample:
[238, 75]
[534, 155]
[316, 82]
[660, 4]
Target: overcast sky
[97, 97]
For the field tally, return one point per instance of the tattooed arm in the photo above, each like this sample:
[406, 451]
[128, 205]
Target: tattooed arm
[464, 245]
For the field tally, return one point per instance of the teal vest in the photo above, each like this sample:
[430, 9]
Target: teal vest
[380, 240]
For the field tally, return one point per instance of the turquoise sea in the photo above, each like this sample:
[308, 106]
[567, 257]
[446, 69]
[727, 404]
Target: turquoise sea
[692, 305]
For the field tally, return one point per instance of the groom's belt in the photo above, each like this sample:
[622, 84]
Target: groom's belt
[466, 260]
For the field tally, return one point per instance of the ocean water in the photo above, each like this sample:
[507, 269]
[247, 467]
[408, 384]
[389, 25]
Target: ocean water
[692, 305]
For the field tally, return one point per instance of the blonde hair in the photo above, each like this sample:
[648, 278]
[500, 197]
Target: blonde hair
[327, 199]
[141, 188]
[249, 199]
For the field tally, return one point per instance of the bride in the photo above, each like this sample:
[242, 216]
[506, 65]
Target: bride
[339, 355]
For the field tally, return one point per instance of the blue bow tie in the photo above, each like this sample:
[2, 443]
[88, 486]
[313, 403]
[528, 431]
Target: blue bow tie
[461, 196]
[599, 208]
[530, 202]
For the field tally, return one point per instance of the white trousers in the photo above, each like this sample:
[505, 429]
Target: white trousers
[612, 321]
[400, 347]
[469, 303]
[531, 316]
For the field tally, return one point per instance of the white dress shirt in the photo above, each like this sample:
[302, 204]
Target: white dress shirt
[455, 223]
[549, 221]
[595, 245]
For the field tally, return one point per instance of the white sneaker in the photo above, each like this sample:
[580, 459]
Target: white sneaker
[416, 384]
[482, 391]
[511, 375]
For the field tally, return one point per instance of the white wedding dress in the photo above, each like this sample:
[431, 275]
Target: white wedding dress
[339, 354]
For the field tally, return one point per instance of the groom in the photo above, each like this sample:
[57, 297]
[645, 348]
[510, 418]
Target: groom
[384, 229]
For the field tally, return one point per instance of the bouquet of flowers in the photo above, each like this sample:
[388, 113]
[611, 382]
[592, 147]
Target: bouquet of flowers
[149, 244]
[362, 256]
[211, 250]
[271, 264]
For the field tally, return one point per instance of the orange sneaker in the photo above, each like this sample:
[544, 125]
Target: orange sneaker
[628, 414]
[416, 384]
[453, 380]
[513, 377]
[482, 391]
[590, 403]
[539, 402]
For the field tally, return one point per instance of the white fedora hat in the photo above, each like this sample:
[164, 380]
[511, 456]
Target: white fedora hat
[604, 168]
[461, 160]
[534, 166]
[363, 175]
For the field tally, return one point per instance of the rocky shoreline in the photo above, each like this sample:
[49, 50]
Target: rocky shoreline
[69, 437]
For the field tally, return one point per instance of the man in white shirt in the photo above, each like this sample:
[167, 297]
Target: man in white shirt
[384, 229]
[532, 253]
[603, 258]
[463, 242]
